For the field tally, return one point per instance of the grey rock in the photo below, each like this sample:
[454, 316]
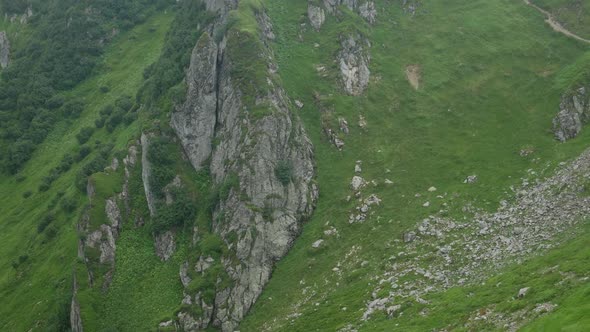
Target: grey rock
[75, 316]
[470, 179]
[184, 277]
[574, 112]
[114, 215]
[353, 62]
[357, 183]
[146, 172]
[4, 50]
[523, 292]
[409, 237]
[194, 122]
[316, 16]
[317, 243]
[165, 245]
[249, 149]
[203, 264]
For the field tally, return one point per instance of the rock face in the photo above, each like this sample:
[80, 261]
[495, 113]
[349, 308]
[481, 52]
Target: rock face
[354, 64]
[4, 50]
[195, 121]
[262, 214]
[316, 16]
[146, 173]
[574, 112]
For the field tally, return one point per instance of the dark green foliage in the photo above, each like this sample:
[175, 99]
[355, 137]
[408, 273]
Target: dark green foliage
[169, 70]
[284, 171]
[84, 151]
[182, 211]
[98, 163]
[84, 135]
[129, 118]
[27, 194]
[125, 103]
[73, 108]
[99, 123]
[160, 156]
[115, 119]
[104, 89]
[55, 57]
[69, 204]
[55, 102]
[45, 221]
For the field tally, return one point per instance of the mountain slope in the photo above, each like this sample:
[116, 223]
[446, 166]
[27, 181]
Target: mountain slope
[282, 165]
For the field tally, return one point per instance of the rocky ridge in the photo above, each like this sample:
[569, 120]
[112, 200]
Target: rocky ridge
[267, 154]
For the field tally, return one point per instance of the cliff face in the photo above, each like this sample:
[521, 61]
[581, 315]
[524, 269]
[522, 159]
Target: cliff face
[262, 147]
[574, 112]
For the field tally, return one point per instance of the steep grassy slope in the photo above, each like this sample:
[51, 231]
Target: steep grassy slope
[36, 289]
[488, 90]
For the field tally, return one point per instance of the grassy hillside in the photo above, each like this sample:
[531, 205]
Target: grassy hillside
[488, 90]
[35, 282]
[573, 14]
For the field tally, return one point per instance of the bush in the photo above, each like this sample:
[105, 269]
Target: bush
[55, 102]
[177, 214]
[84, 151]
[73, 108]
[69, 204]
[284, 172]
[27, 194]
[129, 118]
[99, 123]
[104, 89]
[48, 219]
[84, 135]
[125, 103]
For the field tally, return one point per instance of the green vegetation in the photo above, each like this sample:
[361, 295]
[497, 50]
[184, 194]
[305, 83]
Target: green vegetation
[572, 14]
[491, 80]
[36, 287]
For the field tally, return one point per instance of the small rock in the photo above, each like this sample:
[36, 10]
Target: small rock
[388, 181]
[357, 183]
[432, 189]
[523, 291]
[471, 179]
[362, 122]
[427, 204]
[317, 243]
[409, 237]
[299, 104]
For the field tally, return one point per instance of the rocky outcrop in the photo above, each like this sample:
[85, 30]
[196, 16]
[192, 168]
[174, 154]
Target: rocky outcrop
[316, 16]
[262, 213]
[366, 9]
[353, 62]
[75, 316]
[4, 50]
[146, 174]
[194, 122]
[165, 245]
[574, 112]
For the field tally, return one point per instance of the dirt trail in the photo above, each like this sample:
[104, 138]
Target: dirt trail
[555, 24]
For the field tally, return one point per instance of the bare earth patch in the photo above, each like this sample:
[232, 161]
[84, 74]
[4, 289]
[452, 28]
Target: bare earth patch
[413, 75]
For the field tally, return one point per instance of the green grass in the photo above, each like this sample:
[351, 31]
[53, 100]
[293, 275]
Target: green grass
[31, 293]
[573, 15]
[488, 89]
